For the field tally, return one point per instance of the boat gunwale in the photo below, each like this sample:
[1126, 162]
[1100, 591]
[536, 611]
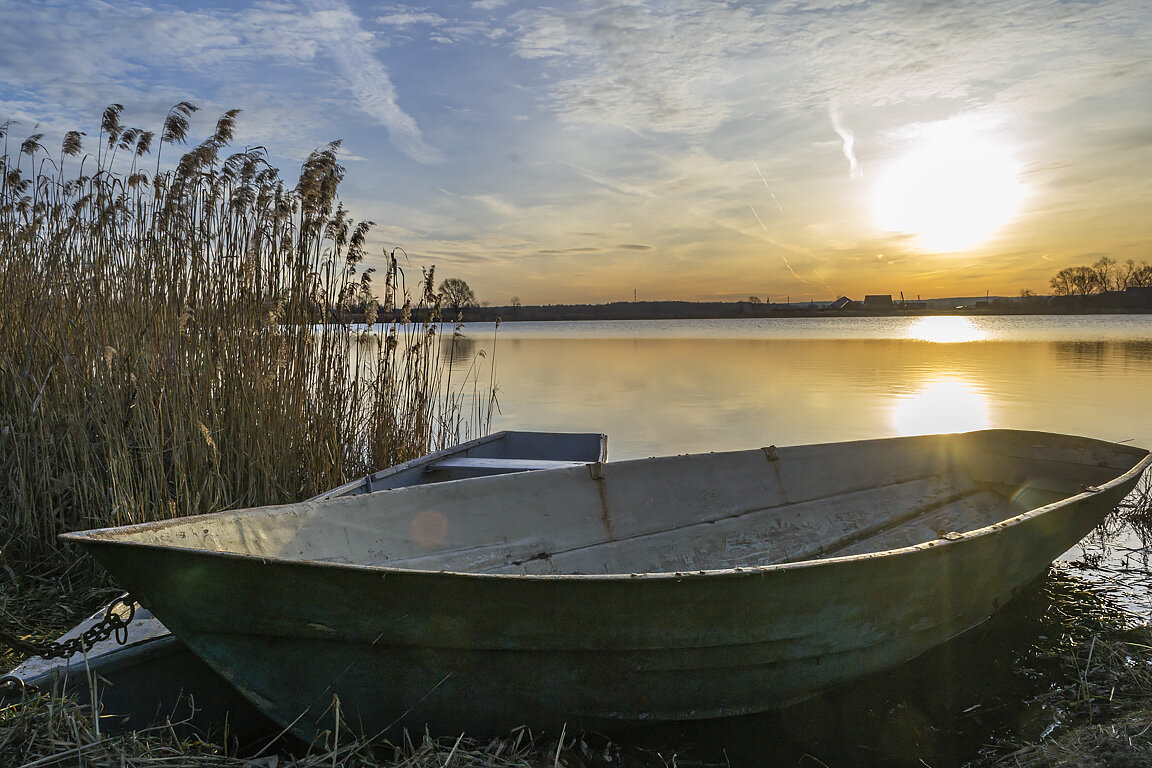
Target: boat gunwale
[340, 491]
[100, 535]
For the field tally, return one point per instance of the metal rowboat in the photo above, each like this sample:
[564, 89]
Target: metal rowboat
[671, 588]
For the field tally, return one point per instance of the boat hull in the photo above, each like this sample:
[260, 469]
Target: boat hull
[156, 678]
[484, 653]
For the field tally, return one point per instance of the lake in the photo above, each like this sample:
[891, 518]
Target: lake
[658, 387]
[665, 387]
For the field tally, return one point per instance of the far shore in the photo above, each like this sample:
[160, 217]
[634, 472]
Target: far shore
[691, 310]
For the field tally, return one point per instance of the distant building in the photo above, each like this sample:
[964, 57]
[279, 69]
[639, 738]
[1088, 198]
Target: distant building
[841, 303]
[878, 301]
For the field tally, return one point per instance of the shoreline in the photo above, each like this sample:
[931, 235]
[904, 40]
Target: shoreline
[567, 313]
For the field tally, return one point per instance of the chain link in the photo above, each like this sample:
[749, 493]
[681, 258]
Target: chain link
[112, 624]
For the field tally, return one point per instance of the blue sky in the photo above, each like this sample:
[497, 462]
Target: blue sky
[582, 150]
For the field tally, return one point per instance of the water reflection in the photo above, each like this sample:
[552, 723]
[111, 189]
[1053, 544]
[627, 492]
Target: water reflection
[459, 350]
[1097, 355]
[946, 404]
[946, 330]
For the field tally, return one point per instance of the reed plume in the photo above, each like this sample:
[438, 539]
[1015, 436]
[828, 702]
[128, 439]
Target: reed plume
[193, 341]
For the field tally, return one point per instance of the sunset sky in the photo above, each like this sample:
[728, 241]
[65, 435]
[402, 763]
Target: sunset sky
[579, 151]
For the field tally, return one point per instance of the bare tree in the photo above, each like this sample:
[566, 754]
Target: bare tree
[1133, 275]
[514, 301]
[754, 300]
[1140, 276]
[455, 293]
[1076, 281]
[1104, 275]
[1107, 275]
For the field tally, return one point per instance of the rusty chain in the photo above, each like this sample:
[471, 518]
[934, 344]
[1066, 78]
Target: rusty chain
[112, 624]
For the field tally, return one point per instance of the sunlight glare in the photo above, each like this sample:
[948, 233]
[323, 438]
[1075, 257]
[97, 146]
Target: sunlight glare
[945, 329]
[953, 192]
[947, 404]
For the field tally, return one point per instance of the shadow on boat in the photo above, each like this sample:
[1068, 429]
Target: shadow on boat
[990, 686]
[973, 696]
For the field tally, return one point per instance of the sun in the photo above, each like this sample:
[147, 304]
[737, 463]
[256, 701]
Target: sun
[952, 192]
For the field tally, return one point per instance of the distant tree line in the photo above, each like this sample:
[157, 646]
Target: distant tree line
[1103, 276]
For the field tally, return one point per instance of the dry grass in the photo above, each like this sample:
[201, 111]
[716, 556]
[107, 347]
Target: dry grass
[1106, 701]
[44, 731]
[1125, 743]
[1103, 699]
[45, 602]
[182, 341]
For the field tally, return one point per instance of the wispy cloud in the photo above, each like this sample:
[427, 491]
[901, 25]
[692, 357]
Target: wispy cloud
[637, 67]
[693, 65]
[848, 141]
[408, 18]
[759, 220]
[351, 47]
[760, 173]
[153, 56]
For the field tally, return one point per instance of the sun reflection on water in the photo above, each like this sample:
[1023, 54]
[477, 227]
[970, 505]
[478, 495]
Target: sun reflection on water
[946, 404]
[945, 329]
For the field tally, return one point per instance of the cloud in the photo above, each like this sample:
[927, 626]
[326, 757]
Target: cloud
[497, 204]
[619, 187]
[153, 56]
[690, 67]
[443, 29]
[848, 140]
[368, 78]
[639, 68]
[407, 18]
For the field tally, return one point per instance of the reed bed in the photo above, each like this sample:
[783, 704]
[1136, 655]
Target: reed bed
[184, 339]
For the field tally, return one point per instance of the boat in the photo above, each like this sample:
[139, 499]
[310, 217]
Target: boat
[616, 594]
[153, 677]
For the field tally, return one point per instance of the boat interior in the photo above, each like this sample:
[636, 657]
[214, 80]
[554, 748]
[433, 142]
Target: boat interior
[493, 454]
[672, 514]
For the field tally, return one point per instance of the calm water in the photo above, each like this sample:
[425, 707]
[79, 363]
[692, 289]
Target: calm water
[660, 387]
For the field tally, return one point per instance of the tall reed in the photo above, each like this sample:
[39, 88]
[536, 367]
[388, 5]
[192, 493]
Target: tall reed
[182, 340]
